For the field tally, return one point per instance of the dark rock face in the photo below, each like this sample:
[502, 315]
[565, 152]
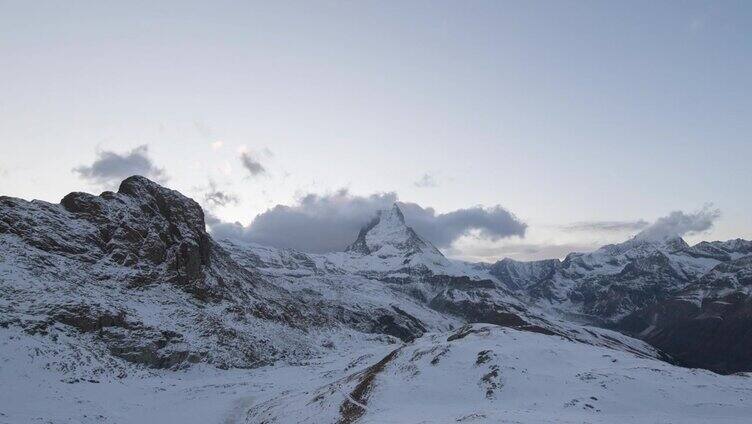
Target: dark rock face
[360, 245]
[142, 226]
[401, 325]
[717, 335]
[147, 221]
[707, 325]
[479, 306]
[136, 274]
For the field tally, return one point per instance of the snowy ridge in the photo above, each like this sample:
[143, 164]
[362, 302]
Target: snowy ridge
[616, 280]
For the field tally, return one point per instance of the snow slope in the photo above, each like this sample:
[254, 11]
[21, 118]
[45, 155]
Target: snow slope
[489, 374]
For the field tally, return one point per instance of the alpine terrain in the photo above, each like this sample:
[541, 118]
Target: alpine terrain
[122, 308]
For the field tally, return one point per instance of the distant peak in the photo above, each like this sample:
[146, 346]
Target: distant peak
[664, 240]
[646, 245]
[388, 234]
[392, 214]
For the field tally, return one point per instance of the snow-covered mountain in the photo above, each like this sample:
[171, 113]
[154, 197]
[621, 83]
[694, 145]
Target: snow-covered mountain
[128, 292]
[387, 236]
[135, 276]
[693, 302]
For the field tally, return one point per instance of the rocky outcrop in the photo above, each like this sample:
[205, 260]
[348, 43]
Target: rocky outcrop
[136, 273]
[146, 222]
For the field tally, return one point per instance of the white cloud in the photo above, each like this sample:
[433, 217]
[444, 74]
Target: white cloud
[324, 223]
[679, 224]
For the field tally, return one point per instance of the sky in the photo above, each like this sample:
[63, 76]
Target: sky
[520, 129]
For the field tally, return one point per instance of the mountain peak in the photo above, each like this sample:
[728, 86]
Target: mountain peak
[393, 215]
[388, 235]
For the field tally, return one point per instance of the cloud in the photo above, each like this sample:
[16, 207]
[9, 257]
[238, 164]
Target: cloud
[214, 197]
[426, 181]
[519, 251]
[317, 223]
[251, 164]
[442, 229]
[112, 167]
[606, 226]
[678, 224]
[325, 223]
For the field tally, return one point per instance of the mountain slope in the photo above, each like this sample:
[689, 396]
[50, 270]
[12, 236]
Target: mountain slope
[135, 275]
[707, 324]
[692, 302]
[488, 374]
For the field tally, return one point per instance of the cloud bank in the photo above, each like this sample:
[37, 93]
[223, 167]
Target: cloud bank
[442, 229]
[606, 226]
[679, 224]
[325, 223]
[111, 167]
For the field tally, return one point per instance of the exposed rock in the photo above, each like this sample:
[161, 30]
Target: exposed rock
[135, 272]
[706, 325]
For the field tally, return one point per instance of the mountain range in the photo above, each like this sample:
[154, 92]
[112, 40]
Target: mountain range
[123, 308]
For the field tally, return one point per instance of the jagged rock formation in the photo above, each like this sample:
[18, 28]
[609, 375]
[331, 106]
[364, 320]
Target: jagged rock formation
[136, 274]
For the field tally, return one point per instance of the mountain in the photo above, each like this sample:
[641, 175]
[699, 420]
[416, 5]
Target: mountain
[705, 324]
[387, 235]
[391, 268]
[692, 302]
[116, 305]
[134, 275]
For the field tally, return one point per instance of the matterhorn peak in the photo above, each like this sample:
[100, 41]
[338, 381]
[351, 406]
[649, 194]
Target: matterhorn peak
[388, 235]
[393, 215]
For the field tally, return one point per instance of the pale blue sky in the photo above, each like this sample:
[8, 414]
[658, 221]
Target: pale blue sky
[559, 111]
